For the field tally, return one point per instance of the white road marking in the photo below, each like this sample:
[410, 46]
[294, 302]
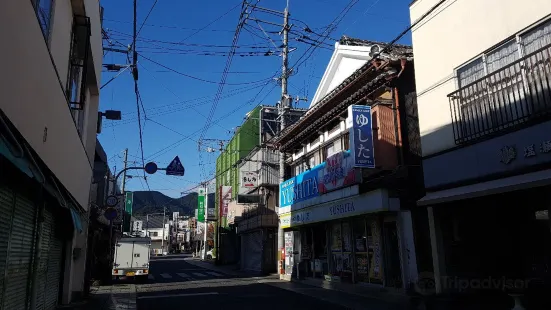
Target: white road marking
[151, 277]
[198, 274]
[166, 275]
[177, 295]
[216, 274]
[183, 275]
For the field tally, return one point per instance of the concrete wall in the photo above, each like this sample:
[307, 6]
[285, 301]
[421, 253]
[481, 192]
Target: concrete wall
[32, 82]
[449, 37]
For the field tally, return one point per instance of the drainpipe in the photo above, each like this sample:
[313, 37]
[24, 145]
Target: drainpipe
[397, 131]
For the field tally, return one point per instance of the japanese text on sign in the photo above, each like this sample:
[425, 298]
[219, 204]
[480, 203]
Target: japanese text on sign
[361, 136]
[249, 179]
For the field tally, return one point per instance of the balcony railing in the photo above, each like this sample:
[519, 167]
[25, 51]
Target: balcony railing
[513, 97]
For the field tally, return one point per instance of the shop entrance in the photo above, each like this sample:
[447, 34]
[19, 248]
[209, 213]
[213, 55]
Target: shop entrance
[393, 269]
[499, 245]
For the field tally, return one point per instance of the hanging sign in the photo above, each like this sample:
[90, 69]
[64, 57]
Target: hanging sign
[361, 136]
[249, 179]
[201, 206]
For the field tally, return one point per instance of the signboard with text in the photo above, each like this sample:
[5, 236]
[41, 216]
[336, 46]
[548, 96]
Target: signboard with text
[342, 208]
[225, 198]
[361, 136]
[335, 173]
[201, 206]
[249, 179]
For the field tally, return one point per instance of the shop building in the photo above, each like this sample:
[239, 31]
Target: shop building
[48, 126]
[343, 222]
[484, 113]
[249, 151]
[257, 224]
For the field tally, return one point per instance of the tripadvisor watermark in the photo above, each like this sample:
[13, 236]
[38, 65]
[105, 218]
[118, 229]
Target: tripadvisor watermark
[426, 283]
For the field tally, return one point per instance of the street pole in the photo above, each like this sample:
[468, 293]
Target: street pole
[163, 239]
[114, 191]
[204, 254]
[283, 109]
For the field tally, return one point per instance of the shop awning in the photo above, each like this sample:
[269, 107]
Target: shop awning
[519, 182]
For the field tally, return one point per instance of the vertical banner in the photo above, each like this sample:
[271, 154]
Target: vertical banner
[128, 202]
[201, 206]
[361, 136]
[226, 192]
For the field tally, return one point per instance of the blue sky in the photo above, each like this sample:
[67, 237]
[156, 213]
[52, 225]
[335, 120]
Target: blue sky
[178, 104]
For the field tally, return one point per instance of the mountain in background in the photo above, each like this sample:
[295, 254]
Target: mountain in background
[147, 202]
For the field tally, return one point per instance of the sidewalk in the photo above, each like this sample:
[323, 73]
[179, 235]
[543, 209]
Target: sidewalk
[116, 297]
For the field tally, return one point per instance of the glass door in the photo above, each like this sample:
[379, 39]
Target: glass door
[360, 247]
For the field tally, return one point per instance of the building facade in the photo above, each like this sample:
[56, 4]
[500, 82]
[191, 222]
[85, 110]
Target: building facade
[341, 222]
[484, 100]
[49, 110]
[257, 224]
[257, 131]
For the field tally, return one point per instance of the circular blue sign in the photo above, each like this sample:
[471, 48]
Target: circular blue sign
[110, 214]
[150, 167]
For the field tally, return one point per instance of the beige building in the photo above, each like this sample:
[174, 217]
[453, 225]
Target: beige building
[483, 77]
[51, 68]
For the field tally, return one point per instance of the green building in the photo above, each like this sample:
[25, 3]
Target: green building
[246, 137]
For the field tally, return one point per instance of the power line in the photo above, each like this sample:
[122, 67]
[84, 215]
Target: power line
[149, 13]
[193, 77]
[214, 21]
[222, 82]
[185, 107]
[165, 26]
[179, 142]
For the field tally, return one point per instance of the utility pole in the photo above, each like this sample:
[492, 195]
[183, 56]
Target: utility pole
[163, 239]
[204, 254]
[283, 109]
[114, 191]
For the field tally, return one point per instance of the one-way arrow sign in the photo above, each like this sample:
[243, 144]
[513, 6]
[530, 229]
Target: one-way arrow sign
[175, 167]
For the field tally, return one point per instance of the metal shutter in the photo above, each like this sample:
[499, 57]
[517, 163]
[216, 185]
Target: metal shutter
[16, 294]
[46, 235]
[53, 278]
[252, 248]
[6, 210]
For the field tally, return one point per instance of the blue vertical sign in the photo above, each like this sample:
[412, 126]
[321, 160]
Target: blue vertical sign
[361, 136]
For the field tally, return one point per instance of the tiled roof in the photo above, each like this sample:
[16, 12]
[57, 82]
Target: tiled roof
[395, 53]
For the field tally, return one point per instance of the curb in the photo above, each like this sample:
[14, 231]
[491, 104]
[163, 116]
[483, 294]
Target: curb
[125, 299]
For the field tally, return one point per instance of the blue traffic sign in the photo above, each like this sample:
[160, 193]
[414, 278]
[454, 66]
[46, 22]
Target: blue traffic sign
[150, 167]
[175, 167]
[110, 214]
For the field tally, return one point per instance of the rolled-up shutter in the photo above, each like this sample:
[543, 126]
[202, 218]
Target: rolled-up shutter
[46, 235]
[19, 262]
[252, 248]
[53, 278]
[6, 211]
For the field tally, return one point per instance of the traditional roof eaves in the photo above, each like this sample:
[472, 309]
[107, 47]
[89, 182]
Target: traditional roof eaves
[397, 52]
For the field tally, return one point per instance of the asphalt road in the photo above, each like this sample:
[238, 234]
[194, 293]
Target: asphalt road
[176, 284]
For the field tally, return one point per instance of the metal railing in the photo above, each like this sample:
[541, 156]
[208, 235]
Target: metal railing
[515, 96]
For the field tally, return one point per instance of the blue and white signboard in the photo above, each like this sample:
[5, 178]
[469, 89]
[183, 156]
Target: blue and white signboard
[335, 173]
[361, 136]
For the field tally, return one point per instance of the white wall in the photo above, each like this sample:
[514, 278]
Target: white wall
[33, 92]
[448, 38]
[345, 60]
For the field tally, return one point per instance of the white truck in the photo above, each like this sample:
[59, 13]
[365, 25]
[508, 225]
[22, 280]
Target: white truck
[131, 258]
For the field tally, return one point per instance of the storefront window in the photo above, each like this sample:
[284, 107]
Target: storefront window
[347, 255]
[374, 251]
[336, 249]
[321, 267]
[360, 244]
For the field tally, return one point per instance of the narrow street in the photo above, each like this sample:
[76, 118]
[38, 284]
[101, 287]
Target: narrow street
[173, 282]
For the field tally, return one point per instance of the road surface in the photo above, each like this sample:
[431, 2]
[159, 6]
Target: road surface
[177, 284]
